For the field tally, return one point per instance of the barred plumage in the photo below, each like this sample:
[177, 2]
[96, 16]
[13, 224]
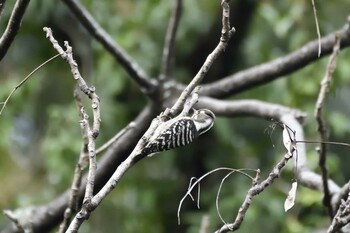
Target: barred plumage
[179, 131]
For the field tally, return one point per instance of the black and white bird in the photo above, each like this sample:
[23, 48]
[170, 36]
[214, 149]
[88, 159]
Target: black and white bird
[179, 131]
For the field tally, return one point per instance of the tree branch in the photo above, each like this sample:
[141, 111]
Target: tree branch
[147, 85]
[272, 70]
[79, 168]
[13, 26]
[321, 124]
[255, 108]
[169, 44]
[92, 132]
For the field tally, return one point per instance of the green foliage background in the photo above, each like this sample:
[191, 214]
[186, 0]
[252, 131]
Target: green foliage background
[41, 139]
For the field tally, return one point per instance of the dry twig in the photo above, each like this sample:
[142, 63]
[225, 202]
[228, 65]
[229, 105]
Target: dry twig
[321, 125]
[23, 81]
[317, 27]
[93, 132]
[80, 166]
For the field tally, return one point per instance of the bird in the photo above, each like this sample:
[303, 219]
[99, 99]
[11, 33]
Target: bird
[179, 131]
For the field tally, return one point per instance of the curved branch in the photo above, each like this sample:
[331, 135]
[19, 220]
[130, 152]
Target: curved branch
[12, 26]
[146, 84]
[272, 70]
[254, 108]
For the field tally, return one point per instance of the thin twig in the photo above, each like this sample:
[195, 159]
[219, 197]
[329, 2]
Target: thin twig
[253, 191]
[23, 81]
[115, 138]
[322, 129]
[326, 142]
[169, 44]
[226, 33]
[80, 166]
[147, 85]
[317, 27]
[12, 26]
[218, 197]
[193, 185]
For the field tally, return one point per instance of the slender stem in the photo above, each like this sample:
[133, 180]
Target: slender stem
[325, 142]
[23, 81]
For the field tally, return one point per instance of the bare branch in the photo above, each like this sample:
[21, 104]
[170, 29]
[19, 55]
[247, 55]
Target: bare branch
[255, 108]
[92, 133]
[12, 26]
[226, 33]
[169, 44]
[272, 70]
[322, 129]
[146, 84]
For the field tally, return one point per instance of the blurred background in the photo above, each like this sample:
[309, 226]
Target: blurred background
[40, 134]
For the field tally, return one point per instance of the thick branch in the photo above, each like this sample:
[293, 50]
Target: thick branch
[272, 70]
[254, 108]
[146, 84]
[12, 26]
